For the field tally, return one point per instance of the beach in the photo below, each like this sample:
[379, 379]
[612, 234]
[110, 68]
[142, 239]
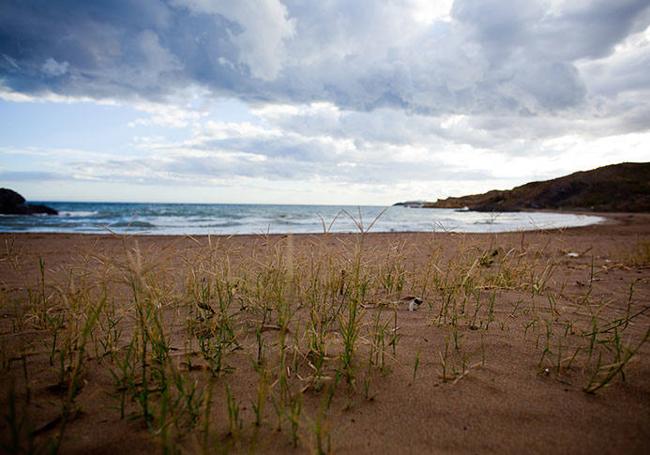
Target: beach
[284, 227]
[525, 341]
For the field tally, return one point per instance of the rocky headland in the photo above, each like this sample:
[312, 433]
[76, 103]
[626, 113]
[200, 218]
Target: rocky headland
[621, 187]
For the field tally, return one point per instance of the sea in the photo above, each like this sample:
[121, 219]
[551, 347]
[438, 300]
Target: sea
[229, 219]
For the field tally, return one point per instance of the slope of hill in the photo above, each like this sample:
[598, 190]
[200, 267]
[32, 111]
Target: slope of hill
[621, 187]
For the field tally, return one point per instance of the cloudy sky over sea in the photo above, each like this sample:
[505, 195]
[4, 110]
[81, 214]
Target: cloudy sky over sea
[292, 101]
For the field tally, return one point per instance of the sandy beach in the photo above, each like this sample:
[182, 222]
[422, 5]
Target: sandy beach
[525, 342]
[285, 227]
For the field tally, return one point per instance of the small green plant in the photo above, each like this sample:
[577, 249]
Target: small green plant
[293, 415]
[235, 422]
[18, 427]
[262, 394]
[416, 365]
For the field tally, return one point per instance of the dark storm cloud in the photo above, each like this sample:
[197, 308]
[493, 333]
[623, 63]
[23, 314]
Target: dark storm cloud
[494, 56]
[117, 49]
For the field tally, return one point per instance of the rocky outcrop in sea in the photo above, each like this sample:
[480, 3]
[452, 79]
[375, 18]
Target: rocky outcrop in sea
[12, 203]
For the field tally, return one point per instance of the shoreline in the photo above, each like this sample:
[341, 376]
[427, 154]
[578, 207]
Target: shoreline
[608, 219]
[410, 222]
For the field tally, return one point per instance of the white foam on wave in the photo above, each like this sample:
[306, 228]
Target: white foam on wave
[262, 219]
[77, 213]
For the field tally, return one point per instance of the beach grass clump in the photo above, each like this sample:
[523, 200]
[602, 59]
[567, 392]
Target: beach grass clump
[640, 256]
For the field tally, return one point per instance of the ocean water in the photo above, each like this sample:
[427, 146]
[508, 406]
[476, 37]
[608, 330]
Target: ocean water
[198, 219]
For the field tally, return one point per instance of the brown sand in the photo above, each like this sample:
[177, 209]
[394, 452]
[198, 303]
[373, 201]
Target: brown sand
[505, 405]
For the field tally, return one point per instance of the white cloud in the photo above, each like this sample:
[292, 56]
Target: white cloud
[168, 115]
[427, 11]
[12, 96]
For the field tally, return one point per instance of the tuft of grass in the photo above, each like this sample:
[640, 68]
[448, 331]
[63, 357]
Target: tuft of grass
[640, 256]
[604, 374]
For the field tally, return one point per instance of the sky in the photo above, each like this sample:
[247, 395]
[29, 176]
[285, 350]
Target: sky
[317, 102]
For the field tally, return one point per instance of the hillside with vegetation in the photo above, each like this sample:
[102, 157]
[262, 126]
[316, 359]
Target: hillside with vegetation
[621, 187]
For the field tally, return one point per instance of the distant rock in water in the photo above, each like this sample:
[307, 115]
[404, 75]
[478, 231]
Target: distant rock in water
[12, 203]
[411, 204]
[621, 187]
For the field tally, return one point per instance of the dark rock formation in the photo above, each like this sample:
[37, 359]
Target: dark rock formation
[12, 203]
[621, 187]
